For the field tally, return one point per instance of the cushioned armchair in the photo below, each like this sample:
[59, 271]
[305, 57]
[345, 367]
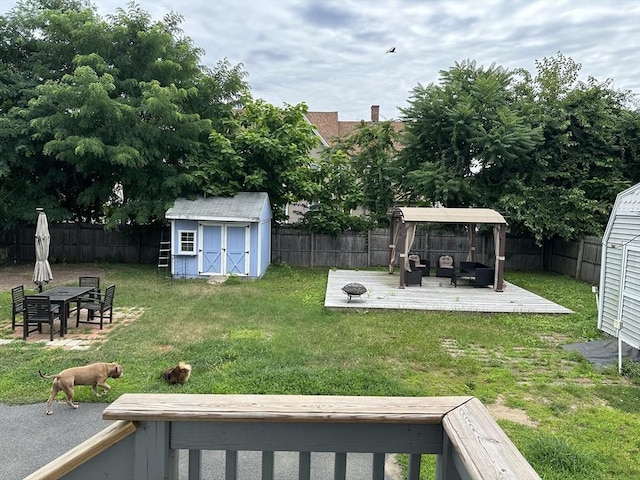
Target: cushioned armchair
[416, 263]
[413, 277]
[445, 266]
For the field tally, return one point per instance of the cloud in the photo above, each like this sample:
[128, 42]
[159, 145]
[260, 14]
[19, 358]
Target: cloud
[331, 53]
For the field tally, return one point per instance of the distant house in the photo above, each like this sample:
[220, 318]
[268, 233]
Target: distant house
[328, 128]
[221, 236]
[619, 297]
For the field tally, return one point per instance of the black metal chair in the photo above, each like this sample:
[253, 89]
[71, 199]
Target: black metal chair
[91, 297]
[100, 307]
[17, 297]
[38, 310]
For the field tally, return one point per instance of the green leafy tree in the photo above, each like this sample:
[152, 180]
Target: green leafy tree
[259, 148]
[465, 137]
[104, 116]
[334, 195]
[372, 149]
[583, 158]
[548, 151]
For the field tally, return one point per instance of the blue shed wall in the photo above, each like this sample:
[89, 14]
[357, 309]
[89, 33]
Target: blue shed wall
[264, 238]
[183, 266]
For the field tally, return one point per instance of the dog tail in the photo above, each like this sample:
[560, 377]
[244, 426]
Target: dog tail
[47, 376]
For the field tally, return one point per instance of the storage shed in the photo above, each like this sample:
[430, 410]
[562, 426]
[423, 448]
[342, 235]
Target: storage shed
[619, 291]
[221, 236]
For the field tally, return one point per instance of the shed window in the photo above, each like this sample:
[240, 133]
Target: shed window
[187, 242]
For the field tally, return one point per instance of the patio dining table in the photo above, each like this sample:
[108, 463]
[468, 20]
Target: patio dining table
[63, 296]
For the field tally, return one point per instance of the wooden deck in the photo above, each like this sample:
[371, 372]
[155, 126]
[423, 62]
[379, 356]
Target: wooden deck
[435, 294]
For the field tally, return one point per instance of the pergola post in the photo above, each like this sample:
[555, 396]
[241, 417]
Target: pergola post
[500, 257]
[402, 246]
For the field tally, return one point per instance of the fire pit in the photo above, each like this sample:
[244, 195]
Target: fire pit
[354, 290]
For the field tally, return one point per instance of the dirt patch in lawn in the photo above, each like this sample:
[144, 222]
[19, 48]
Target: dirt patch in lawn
[77, 338]
[63, 274]
[500, 411]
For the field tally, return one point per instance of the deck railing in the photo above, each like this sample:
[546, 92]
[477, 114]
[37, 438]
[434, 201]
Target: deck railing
[150, 429]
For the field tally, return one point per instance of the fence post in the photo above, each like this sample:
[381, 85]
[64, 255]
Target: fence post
[312, 249]
[579, 259]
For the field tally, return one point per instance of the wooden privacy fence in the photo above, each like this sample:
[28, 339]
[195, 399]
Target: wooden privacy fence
[579, 259]
[85, 243]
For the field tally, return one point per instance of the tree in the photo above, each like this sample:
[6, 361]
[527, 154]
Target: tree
[334, 195]
[104, 116]
[580, 163]
[549, 152]
[372, 149]
[259, 148]
[465, 137]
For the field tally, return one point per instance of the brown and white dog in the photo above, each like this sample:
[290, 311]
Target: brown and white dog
[95, 375]
[179, 374]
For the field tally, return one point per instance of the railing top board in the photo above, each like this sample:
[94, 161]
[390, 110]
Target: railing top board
[281, 408]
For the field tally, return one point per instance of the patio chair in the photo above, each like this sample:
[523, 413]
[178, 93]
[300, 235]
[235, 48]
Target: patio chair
[417, 264]
[38, 310]
[413, 277]
[91, 297]
[100, 307]
[17, 297]
[445, 266]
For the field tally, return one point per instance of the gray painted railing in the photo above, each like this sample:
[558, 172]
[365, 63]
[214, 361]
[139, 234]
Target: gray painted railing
[150, 429]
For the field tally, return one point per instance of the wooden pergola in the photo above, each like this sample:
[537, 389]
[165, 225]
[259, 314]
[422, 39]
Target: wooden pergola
[403, 227]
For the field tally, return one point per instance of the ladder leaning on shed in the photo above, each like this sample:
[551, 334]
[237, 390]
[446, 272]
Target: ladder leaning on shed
[164, 253]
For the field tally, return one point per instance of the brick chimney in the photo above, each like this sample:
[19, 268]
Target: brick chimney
[375, 113]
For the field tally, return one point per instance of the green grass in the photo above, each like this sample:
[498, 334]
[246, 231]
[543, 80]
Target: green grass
[274, 336]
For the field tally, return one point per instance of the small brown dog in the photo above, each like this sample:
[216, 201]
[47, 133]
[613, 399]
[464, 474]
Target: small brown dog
[95, 375]
[179, 374]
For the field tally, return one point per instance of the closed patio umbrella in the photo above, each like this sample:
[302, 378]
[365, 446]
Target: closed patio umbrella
[42, 271]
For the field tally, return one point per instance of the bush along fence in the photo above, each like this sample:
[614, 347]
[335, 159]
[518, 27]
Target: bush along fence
[85, 243]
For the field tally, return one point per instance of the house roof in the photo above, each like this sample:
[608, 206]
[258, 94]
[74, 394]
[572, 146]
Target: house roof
[244, 206]
[449, 215]
[329, 126]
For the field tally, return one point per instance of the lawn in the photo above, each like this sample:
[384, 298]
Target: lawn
[273, 335]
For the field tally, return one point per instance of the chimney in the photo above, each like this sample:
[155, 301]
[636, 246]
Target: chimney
[375, 113]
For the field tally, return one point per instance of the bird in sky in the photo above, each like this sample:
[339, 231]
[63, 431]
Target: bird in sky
[391, 50]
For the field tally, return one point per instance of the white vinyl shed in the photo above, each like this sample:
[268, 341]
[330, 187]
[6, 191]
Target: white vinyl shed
[619, 291]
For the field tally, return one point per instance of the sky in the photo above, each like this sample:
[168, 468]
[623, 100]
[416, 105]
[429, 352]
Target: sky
[331, 54]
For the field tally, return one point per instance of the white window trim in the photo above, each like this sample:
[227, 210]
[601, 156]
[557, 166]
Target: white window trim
[181, 251]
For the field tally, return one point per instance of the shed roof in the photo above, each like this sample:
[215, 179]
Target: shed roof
[628, 201]
[449, 215]
[244, 206]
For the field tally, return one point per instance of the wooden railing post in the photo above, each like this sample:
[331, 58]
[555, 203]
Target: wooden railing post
[153, 457]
